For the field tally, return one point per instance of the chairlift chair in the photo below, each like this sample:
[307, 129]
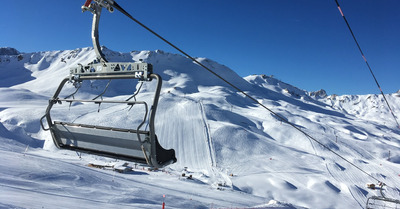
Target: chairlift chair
[375, 202]
[136, 145]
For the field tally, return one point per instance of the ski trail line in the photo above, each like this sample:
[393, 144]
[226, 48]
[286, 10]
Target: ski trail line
[208, 135]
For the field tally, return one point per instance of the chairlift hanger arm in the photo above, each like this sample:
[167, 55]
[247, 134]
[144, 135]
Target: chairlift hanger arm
[95, 8]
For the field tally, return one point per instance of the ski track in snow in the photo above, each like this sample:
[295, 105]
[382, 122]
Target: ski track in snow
[208, 133]
[73, 181]
[193, 146]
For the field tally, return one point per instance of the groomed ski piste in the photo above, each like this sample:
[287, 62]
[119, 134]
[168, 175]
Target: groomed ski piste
[231, 152]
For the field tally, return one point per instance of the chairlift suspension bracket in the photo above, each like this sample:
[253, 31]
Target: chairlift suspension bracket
[140, 70]
[95, 8]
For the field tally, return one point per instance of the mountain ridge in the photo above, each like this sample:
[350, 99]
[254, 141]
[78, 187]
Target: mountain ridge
[220, 136]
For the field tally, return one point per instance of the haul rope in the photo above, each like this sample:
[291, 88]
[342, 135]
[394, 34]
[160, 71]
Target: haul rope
[366, 62]
[116, 6]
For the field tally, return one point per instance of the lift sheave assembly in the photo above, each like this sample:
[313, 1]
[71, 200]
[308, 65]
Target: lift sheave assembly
[137, 144]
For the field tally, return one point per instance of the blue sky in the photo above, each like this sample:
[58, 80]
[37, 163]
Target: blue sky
[302, 42]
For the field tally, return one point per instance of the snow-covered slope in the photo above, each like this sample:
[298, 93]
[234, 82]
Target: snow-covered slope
[239, 154]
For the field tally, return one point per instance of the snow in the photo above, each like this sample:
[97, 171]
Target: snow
[239, 154]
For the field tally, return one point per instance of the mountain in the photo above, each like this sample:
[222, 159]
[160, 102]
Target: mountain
[239, 154]
[8, 51]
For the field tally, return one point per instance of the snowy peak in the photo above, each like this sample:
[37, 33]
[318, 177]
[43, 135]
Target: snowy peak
[276, 85]
[179, 72]
[318, 94]
[180, 75]
[371, 107]
[8, 51]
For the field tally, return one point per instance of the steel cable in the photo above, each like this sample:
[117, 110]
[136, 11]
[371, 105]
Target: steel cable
[366, 62]
[116, 6]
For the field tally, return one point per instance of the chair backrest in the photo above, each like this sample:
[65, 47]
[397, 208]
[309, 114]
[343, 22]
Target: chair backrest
[106, 141]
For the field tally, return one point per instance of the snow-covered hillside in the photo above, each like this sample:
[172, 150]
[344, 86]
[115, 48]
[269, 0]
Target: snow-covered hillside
[239, 154]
